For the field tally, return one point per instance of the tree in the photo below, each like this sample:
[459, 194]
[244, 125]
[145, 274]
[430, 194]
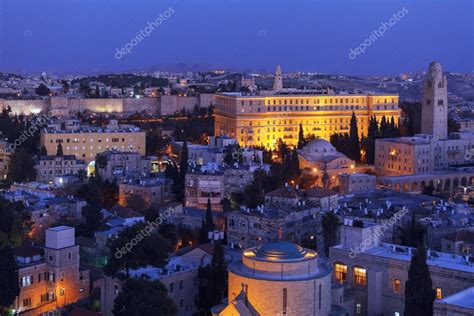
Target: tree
[143, 297]
[219, 269]
[42, 90]
[43, 151]
[10, 288]
[59, 150]
[413, 235]
[92, 211]
[21, 167]
[301, 139]
[207, 224]
[354, 139]
[329, 223]
[419, 293]
[15, 223]
[226, 205]
[205, 299]
[150, 249]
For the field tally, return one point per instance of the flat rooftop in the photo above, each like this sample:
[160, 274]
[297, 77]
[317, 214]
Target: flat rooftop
[464, 298]
[437, 259]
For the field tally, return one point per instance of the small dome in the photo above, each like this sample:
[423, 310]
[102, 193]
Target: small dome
[279, 250]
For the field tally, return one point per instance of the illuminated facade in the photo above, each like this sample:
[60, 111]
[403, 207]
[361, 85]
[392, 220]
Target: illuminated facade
[85, 142]
[260, 120]
[50, 277]
[281, 278]
[375, 272]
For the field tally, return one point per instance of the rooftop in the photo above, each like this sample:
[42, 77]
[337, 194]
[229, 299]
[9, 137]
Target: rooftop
[279, 250]
[464, 298]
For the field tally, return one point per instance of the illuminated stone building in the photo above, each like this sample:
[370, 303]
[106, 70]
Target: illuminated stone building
[433, 150]
[50, 277]
[261, 119]
[281, 278]
[375, 272]
[49, 167]
[85, 142]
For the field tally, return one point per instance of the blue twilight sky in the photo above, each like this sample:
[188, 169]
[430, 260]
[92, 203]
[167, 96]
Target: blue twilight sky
[82, 36]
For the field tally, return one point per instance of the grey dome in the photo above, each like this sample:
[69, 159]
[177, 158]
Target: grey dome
[279, 250]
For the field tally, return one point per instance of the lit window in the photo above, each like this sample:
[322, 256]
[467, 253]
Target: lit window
[396, 314]
[360, 276]
[439, 293]
[396, 285]
[358, 308]
[340, 273]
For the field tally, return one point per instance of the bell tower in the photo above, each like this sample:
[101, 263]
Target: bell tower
[434, 110]
[278, 81]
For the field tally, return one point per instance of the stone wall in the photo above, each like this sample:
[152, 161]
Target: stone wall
[25, 106]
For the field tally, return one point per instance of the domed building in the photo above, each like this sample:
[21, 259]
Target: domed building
[319, 155]
[279, 278]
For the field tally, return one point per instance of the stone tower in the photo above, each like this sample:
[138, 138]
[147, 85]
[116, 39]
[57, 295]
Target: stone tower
[434, 113]
[278, 81]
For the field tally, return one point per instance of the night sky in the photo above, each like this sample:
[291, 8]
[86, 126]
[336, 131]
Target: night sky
[82, 36]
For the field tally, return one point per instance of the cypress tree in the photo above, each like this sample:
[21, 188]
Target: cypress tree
[329, 223]
[219, 271]
[301, 140]
[354, 139]
[10, 287]
[419, 293]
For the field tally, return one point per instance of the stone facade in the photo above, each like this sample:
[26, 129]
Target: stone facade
[124, 165]
[215, 184]
[249, 228]
[49, 167]
[86, 142]
[279, 278]
[50, 277]
[260, 120]
[434, 110]
[376, 275]
[153, 191]
[356, 182]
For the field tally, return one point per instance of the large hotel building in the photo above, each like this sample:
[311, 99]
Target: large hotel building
[260, 120]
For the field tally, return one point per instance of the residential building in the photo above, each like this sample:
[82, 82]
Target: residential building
[216, 151]
[356, 182]
[50, 167]
[50, 277]
[85, 142]
[294, 196]
[251, 227]
[120, 165]
[151, 191]
[459, 243]
[376, 275]
[179, 276]
[215, 182]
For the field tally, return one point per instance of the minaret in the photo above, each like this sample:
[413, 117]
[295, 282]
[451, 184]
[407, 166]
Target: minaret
[277, 82]
[434, 110]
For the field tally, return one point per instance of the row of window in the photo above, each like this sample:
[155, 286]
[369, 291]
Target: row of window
[360, 278]
[92, 140]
